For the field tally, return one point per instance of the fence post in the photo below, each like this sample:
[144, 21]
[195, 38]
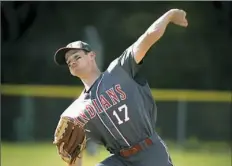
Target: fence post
[24, 125]
[181, 122]
[93, 38]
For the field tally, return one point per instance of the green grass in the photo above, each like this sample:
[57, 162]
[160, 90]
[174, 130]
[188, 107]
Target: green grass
[42, 154]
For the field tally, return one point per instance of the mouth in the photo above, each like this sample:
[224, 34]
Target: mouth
[74, 68]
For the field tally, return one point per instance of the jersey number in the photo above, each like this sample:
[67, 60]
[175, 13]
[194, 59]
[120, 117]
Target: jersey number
[120, 109]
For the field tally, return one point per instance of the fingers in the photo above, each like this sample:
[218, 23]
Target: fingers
[184, 24]
[179, 17]
[181, 22]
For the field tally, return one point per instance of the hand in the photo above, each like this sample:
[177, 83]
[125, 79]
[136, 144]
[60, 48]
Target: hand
[179, 17]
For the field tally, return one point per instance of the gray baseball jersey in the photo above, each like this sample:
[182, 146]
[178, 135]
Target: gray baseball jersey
[118, 111]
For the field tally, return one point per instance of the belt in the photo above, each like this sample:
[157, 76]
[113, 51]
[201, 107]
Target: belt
[135, 148]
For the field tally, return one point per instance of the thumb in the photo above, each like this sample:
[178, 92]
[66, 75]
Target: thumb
[184, 24]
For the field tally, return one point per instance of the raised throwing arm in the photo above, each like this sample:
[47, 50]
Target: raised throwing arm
[156, 31]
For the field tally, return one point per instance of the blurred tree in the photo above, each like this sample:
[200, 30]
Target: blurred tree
[198, 57]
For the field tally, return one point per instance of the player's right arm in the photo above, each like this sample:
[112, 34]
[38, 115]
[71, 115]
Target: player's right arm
[131, 58]
[156, 31]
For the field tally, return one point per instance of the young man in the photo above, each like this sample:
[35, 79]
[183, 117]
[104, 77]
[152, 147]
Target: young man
[116, 107]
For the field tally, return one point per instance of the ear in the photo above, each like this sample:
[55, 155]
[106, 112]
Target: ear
[92, 54]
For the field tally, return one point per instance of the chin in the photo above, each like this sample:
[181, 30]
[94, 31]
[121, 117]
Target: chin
[76, 74]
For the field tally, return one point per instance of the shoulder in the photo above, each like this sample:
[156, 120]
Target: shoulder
[118, 61]
[113, 65]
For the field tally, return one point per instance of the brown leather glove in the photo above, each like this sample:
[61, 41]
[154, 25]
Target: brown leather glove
[70, 139]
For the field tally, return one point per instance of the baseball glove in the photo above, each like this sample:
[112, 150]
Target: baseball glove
[70, 139]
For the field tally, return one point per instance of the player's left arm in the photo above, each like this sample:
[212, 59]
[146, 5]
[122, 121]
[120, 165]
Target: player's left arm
[156, 31]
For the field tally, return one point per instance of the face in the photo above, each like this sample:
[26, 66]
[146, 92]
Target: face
[79, 62]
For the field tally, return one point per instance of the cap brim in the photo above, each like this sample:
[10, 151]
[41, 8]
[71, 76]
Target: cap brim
[59, 56]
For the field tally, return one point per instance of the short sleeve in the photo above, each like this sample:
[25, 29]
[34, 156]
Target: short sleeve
[128, 63]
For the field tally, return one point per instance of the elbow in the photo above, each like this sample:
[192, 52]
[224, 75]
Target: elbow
[154, 35]
[144, 43]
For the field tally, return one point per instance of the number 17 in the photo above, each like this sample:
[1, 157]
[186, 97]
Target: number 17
[123, 107]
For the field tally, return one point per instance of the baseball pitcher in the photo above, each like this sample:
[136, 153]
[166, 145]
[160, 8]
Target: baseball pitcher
[116, 108]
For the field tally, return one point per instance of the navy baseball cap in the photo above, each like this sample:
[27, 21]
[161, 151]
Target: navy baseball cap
[59, 56]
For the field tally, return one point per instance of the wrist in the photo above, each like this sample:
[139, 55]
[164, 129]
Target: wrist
[170, 14]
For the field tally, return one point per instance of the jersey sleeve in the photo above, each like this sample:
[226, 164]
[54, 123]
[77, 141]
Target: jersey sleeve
[128, 63]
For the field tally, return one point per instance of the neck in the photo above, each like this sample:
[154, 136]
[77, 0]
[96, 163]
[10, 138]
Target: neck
[90, 79]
